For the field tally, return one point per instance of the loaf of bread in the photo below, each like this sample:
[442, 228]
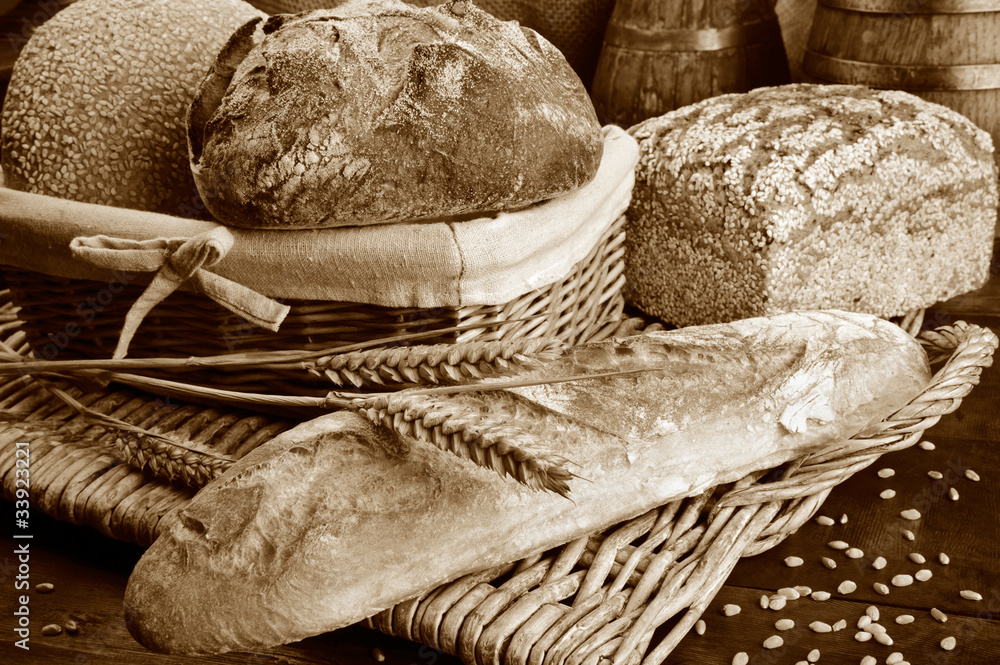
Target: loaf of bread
[97, 100]
[808, 197]
[329, 523]
[378, 111]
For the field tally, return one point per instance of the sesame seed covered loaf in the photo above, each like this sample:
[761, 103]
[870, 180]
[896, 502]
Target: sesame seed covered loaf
[97, 98]
[808, 197]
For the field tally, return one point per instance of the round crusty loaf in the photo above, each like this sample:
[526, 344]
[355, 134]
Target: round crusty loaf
[96, 104]
[378, 112]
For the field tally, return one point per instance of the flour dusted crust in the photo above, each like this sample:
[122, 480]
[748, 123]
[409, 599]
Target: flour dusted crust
[804, 197]
[329, 523]
[377, 111]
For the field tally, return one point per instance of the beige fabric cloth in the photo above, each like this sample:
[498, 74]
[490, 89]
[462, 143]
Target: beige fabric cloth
[485, 261]
[177, 261]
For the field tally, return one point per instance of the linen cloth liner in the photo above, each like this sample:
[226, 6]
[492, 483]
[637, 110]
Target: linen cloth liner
[485, 261]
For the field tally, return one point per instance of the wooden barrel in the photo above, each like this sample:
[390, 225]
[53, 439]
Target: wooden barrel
[945, 51]
[659, 55]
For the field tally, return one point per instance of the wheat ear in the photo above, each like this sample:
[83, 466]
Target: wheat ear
[437, 363]
[465, 432]
[143, 450]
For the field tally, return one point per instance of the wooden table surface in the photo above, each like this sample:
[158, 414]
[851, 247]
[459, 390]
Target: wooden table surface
[89, 571]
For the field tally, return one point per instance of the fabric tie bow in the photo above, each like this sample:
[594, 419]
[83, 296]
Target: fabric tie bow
[176, 261]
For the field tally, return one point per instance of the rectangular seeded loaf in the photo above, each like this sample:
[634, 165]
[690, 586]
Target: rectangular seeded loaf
[328, 523]
[808, 197]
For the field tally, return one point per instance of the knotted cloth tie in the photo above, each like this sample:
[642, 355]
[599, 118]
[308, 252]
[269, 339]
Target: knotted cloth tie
[176, 261]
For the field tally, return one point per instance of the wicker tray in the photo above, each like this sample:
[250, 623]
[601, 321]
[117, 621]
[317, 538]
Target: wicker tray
[598, 598]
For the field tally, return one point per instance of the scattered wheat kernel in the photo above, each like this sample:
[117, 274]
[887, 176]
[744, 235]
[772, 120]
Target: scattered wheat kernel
[847, 586]
[894, 658]
[948, 643]
[741, 658]
[840, 625]
[872, 612]
[773, 642]
[699, 626]
[829, 563]
[923, 575]
[731, 610]
[813, 656]
[837, 545]
[902, 580]
[803, 590]
[784, 624]
[802, 662]
[879, 563]
[71, 627]
[378, 655]
[44, 587]
[944, 559]
[907, 534]
[823, 520]
[916, 557]
[793, 561]
[869, 660]
[863, 621]
[910, 514]
[788, 592]
[972, 475]
[820, 595]
[970, 595]
[887, 494]
[939, 615]
[883, 639]
[936, 475]
[853, 553]
[874, 628]
[881, 589]
[927, 445]
[820, 627]
[862, 636]
[953, 494]
[904, 619]
[764, 602]
[886, 473]
[776, 602]
[843, 518]
[51, 629]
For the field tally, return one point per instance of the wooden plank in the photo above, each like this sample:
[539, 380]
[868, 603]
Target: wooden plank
[919, 642]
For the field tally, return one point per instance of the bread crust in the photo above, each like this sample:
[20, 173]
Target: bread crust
[326, 525]
[377, 112]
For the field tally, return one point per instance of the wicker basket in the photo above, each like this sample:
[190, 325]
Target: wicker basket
[599, 597]
[583, 306]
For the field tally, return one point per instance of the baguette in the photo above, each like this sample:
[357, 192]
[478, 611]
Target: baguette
[329, 523]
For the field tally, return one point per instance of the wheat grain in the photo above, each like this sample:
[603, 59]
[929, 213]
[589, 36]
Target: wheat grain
[436, 363]
[468, 433]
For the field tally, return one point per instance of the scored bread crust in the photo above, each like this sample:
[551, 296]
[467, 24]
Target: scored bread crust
[328, 523]
[377, 111]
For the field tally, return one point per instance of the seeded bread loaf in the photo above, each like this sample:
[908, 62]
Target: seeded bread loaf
[803, 197]
[97, 99]
[378, 111]
[330, 522]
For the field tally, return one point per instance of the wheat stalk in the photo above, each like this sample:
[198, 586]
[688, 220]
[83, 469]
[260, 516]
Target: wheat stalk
[437, 363]
[464, 431]
[169, 459]
[143, 450]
